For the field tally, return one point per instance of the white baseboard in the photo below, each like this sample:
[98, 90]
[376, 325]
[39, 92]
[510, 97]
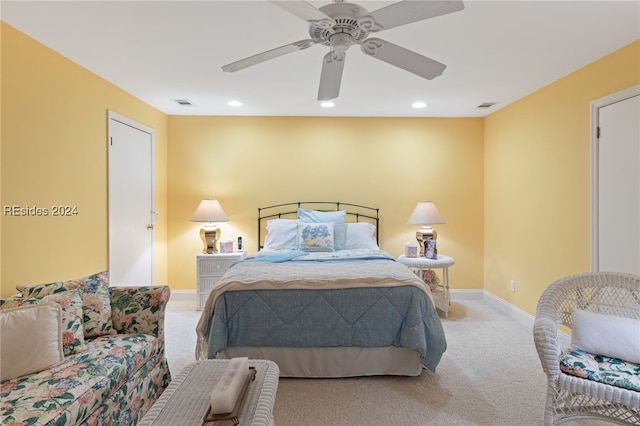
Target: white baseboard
[183, 296]
[467, 294]
[516, 313]
[508, 309]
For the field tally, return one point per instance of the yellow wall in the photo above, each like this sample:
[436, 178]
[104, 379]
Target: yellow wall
[54, 151]
[514, 187]
[537, 180]
[390, 163]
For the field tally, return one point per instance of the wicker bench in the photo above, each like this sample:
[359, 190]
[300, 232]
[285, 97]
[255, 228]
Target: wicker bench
[186, 400]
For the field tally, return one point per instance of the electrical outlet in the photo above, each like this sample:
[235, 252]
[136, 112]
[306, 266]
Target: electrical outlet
[512, 286]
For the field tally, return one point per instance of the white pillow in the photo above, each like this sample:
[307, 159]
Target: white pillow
[607, 335]
[315, 236]
[281, 234]
[361, 235]
[30, 339]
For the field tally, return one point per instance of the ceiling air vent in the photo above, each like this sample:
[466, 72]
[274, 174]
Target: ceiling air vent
[486, 105]
[183, 102]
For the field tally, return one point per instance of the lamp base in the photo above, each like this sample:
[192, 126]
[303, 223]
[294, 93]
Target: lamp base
[210, 235]
[423, 234]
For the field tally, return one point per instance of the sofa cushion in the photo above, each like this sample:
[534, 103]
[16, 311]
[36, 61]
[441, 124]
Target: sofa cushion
[69, 392]
[21, 355]
[72, 322]
[96, 303]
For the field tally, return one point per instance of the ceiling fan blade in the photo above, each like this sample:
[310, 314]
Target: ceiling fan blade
[402, 58]
[406, 12]
[331, 76]
[308, 12]
[269, 54]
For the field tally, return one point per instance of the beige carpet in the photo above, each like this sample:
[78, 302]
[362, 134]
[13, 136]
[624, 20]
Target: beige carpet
[489, 375]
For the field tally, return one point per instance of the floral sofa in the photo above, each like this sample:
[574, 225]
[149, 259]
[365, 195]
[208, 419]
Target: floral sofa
[108, 367]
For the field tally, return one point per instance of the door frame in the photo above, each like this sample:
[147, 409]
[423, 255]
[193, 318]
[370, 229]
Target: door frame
[114, 116]
[595, 160]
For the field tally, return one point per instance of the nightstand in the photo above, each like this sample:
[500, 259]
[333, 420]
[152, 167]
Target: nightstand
[210, 268]
[441, 296]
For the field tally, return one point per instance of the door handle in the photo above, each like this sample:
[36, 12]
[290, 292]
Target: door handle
[150, 227]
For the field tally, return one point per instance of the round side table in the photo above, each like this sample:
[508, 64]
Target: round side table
[441, 296]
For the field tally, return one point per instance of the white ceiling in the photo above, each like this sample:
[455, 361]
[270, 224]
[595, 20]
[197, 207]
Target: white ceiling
[495, 51]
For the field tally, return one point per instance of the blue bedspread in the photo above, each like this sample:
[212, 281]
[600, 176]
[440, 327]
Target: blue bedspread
[364, 316]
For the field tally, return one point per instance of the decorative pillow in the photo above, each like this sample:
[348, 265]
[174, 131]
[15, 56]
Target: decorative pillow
[30, 339]
[607, 335]
[337, 217]
[96, 303]
[281, 234]
[361, 235]
[71, 320]
[315, 236]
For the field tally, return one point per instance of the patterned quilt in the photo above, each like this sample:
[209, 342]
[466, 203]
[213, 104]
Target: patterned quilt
[367, 300]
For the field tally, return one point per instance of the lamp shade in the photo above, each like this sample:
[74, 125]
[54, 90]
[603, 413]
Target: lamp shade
[425, 213]
[209, 210]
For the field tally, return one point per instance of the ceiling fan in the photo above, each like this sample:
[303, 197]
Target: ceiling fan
[339, 25]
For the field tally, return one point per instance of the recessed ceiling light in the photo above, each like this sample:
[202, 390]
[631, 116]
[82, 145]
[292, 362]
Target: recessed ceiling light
[234, 103]
[419, 105]
[327, 104]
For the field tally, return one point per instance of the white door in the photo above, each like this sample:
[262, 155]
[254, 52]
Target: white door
[131, 206]
[618, 185]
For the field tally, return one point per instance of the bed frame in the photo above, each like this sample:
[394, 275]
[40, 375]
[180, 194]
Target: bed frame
[354, 213]
[329, 361]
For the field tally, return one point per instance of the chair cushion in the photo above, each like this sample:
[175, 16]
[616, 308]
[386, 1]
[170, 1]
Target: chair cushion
[603, 369]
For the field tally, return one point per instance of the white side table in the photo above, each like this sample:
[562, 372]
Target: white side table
[210, 268]
[441, 296]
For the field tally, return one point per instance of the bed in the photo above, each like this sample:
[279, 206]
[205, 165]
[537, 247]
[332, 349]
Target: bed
[321, 299]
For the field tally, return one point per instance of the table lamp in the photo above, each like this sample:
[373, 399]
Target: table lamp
[425, 214]
[209, 211]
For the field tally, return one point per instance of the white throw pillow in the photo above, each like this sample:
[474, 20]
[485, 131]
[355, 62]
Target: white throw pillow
[282, 234]
[361, 235]
[30, 339]
[316, 236]
[607, 335]
[337, 217]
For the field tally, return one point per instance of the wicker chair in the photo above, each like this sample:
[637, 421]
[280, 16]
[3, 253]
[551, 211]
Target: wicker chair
[570, 397]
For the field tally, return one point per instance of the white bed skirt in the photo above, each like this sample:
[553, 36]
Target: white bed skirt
[334, 362]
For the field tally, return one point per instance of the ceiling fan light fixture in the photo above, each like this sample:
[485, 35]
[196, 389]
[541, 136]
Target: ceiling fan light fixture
[419, 105]
[234, 103]
[340, 24]
[327, 104]
[340, 42]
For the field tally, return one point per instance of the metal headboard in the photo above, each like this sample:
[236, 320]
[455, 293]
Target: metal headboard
[354, 213]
